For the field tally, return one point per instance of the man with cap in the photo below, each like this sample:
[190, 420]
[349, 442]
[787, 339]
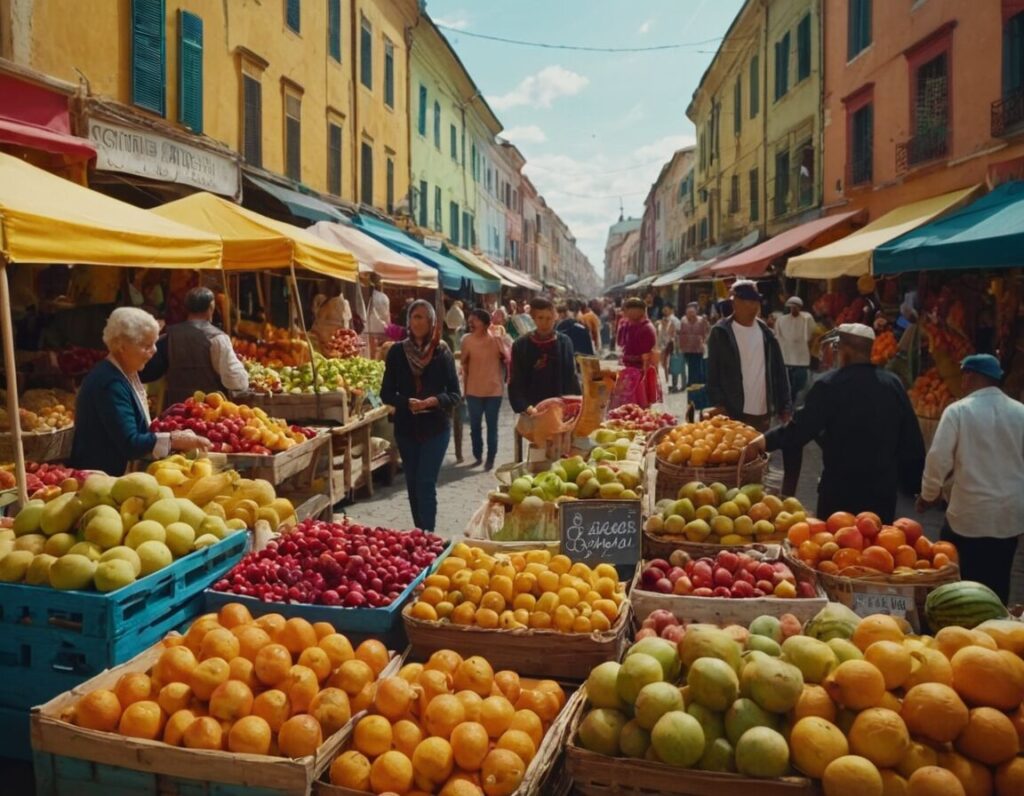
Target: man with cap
[794, 331]
[862, 419]
[977, 462]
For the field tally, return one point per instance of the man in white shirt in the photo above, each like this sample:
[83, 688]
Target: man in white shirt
[794, 331]
[378, 315]
[977, 463]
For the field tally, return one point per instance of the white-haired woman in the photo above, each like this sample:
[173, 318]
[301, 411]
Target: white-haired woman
[111, 412]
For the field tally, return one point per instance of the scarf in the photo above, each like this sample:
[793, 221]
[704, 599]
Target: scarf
[420, 354]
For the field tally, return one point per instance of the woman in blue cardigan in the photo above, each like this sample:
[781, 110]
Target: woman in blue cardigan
[111, 412]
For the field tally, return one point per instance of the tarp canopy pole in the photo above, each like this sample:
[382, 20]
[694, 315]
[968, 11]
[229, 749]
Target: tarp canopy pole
[12, 383]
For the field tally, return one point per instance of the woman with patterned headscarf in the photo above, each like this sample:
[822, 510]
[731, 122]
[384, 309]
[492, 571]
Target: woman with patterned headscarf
[421, 384]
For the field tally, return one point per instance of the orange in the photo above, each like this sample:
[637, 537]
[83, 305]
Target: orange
[923, 547]
[950, 640]
[799, 532]
[877, 627]
[372, 736]
[892, 660]
[828, 567]
[934, 781]
[530, 723]
[939, 560]
[232, 614]
[471, 701]
[989, 737]
[249, 735]
[918, 755]
[432, 682]
[551, 687]
[496, 715]
[892, 783]
[502, 772]
[988, 677]
[231, 700]
[133, 687]
[411, 672]
[905, 556]
[300, 736]
[470, 744]
[851, 775]
[879, 735]
[432, 762]
[493, 601]
[474, 674]
[443, 713]
[318, 661]
[392, 772]
[302, 686]
[364, 698]
[219, 643]
[207, 676]
[351, 769]
[508, 683]
[175, 665]
[809, 551]
[374, 654]
[934, 711]
[332, 709]
[393, 698]
[486, 618]
[879, 558]
[352, 676]
[251, 639]
[198, 629]
[174, 697]
[176, 726]
[815, 743]
[243, 670]
[423, 611]
[296, 635]
[1010, 777]
[273, 706]
[406, 736]
[272, 663]
[976, 778]
[98, 710]
[814, 701]
[891, 539]
[338, 648]
[519, 742]
[323, 629]
[204, 733]
[947, 549]
[461, 785]
[272, 623]
[847, 557]
[856, 684]
[543, 703]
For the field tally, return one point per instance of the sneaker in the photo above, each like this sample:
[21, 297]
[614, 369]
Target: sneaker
[489, 465]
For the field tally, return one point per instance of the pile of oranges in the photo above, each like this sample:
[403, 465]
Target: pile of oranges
[452, 727]
[716, 441]
[930, 395]
[534, 589]
[884, 348]
[845, 541]
[268, 686]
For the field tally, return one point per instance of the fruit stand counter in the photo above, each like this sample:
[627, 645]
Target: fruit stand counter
[345, 440]
[304, 407]
[301, 458]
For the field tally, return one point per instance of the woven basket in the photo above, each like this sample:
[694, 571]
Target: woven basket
[670, 477]
[662, 546]
[39, 446]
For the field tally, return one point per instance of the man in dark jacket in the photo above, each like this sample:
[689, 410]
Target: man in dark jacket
[862, 419]
[543, 362]
[575, 331]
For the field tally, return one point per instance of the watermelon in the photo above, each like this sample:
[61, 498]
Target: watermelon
[964, 603]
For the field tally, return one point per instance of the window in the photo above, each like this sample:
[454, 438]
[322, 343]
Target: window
[366, 173]
[293, 136]
[190, 71]
[421, 124]
[737, 107]
[423, 204]
[390, 184]
[861, 144]
[334, 158]
[929, 111]
[703, 230]
[858, 27]
[437, 208]
[334, 29]
[755, 86]
[782, 182]
[734, 194]
[803, 48]
[366, 53]
[252, 120]
[805, 176]
[437, 125]
[474, 164]
[782, 67]
[754, 190]
[292, 15]
[389, 74]
[467, 227]
[454, 135]
[453, 221]
[1013, 55]
[703, 152]
[148, 55]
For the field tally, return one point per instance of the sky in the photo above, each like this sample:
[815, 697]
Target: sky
[595, 127]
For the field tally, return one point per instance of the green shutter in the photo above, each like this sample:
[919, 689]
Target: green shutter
[149, 56]
[803, 48]
[334, 29]
[422, 125]
[755, 86]
[292, 15]
[190, 71]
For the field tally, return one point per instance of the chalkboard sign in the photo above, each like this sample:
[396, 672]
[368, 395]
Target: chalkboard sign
[601, 531]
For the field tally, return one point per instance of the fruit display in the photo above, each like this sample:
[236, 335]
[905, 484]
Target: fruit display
[361, 374]
[275, 353]
[715, 441]
[262, 378]
[534, 589]
[41, 410]
[224, 494]
[105, 535]
[662, 623]
[850, 545]
[638, 418]
[716, 514]
[572, 477]
[334, 563]
[930, 395]
[869, 710]
[449, 726]
[264, 686]
[731, 574]
[44, 481]
[946, 339]
[884, 348]
[230, 427]
[963, 603]
[324, 375]
[76, 361]
[616, 444]
[343, 344]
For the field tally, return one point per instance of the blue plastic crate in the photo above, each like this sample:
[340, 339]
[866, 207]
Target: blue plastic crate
[56, 644]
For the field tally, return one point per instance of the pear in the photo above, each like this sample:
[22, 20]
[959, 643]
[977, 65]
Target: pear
[164, 511]
[61, 514]
[96, 491]
[190, 513]
[145, 531]
[214, 525]
[102, 525]
[141, 485]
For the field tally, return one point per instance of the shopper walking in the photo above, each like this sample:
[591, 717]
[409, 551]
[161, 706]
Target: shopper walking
[589, 319]
[574, 330]
[693, 336]
[637, 382]
[454, 323]
[421, 384]
[543, 363]
[795, 330]
[978, 450]
[668, 331]
[482, 360]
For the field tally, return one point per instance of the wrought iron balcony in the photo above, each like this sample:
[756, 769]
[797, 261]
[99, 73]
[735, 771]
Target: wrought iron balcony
[860, 169]
[930, 144]
[1007, 113]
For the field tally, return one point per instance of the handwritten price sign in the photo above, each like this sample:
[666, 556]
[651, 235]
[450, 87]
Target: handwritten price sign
[596, 531]
[865, 604]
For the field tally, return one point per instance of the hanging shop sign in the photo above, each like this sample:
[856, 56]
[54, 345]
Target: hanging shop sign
[147, 154]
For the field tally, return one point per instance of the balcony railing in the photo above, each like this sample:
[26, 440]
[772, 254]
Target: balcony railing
[1007, 113]
[926, 145]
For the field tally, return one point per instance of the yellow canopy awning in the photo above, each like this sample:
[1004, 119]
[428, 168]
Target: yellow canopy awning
[47, 219]
[851, 256]
[253, 242]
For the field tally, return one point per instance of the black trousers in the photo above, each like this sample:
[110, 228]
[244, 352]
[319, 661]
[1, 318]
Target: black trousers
[984, 559]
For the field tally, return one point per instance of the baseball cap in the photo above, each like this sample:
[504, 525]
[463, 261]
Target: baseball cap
[852, 329]
[985, 364]
[795, 300]
[745, 289]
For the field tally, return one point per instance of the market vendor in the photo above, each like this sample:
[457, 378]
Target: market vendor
[638, 380]
[331, 311]
[111, 412]
[543, 361]
[862, 419]
[195, 355]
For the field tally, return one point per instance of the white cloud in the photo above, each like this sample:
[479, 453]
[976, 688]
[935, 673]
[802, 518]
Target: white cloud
[645, 28]
[541, 89]
[525, 134]
[456, 23]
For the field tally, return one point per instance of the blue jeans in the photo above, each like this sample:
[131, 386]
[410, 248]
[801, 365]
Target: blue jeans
[694, 369]
[421, 462]
[798, 375]
[479, 408]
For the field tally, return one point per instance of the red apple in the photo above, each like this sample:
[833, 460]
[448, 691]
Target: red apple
[742, 589]
[703, 591]
[911, 529]
[646, 632]
[723, 577]
[850, 538]
[682, 586]
[868, 524]
[766, 586]
[660, 619]
[722, 591]
[728, 560]
[674, 633]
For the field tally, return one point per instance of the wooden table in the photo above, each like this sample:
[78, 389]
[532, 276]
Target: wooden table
[344, 440]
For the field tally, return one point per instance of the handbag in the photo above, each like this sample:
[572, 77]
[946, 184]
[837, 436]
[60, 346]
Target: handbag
[677, 364]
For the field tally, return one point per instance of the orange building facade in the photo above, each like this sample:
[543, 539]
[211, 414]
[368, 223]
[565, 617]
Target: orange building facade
[921, 97]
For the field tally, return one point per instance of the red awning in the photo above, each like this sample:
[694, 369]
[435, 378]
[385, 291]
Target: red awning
[37, 118]
[754, 262]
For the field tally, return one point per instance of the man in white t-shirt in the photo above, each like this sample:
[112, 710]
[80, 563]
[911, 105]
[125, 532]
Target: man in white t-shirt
[378, 315]
[794, 331]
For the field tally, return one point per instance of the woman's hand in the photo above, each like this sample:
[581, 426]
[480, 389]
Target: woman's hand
[188, 440]
[424, 405]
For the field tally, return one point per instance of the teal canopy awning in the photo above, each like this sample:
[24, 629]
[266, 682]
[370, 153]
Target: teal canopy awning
[987, 233]
[451, 273]
[299, 204]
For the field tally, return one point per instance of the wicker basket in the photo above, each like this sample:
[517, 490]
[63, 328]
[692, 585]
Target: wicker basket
[39, 446]
[531, 652]
[670, 477]
[662, 546]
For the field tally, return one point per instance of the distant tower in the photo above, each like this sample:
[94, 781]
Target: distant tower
[621, 211]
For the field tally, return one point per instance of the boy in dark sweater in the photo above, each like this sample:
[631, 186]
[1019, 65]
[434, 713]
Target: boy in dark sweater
[543, 363]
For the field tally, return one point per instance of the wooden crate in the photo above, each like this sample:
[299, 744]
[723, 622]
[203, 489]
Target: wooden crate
[276, 468]
[331, 406]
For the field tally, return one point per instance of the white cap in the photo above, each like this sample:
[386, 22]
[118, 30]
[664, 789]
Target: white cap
[795, 300]
[852, 329]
